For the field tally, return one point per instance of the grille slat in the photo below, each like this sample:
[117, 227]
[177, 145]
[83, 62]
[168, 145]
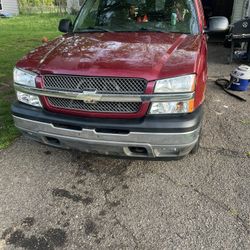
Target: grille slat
[118, 107]
[103, 85]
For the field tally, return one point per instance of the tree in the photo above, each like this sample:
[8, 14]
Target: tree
[62, 4]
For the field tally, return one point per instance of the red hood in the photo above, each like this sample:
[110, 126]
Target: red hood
[144, 54]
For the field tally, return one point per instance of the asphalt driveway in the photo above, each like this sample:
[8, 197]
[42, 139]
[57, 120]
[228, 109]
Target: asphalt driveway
[55, 199]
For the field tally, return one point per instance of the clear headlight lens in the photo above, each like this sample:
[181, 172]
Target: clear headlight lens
[176, 85]
[28, 99]
[160, 108]
[24, 77]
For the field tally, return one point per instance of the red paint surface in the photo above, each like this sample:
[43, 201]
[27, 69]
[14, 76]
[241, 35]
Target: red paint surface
[148, 55]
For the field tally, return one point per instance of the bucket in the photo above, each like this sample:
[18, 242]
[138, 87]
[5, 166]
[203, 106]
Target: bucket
[240, 78]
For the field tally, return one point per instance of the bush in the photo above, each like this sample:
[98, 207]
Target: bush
[42, 6]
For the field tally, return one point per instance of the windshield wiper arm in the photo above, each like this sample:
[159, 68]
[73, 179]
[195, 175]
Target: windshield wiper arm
[153, 30]
[96, 28]
[163, 31]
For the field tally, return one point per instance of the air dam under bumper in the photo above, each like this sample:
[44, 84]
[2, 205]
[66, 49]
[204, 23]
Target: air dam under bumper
[132, 144]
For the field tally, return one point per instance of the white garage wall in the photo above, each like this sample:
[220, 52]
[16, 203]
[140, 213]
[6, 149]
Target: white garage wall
[240, 10]
[10, 6]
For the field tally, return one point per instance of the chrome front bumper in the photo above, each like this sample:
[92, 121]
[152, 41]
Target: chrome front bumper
[133, 144]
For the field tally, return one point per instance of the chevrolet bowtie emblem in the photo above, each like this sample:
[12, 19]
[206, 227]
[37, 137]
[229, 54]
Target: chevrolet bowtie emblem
[245, 25]
[90, 96]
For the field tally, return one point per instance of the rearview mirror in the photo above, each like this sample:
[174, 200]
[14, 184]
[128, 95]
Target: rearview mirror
[218, 24]
[65, 25]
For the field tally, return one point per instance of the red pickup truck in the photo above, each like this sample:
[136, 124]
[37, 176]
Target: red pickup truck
[127, 78]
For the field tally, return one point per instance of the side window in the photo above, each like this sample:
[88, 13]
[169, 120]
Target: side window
[1, 7]
[89, 19]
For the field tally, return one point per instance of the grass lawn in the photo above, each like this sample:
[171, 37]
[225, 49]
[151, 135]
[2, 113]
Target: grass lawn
[18, 36]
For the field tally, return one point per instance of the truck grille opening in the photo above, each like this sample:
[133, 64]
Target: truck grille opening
[100, 84]
[138, 151]
[113, 107]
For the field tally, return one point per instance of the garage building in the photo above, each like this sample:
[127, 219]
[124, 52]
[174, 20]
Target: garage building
[234, 10]
[9, 6]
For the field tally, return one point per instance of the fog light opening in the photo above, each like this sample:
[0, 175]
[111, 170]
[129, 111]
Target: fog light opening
[138, 151]
[166, 151]
[52, 141]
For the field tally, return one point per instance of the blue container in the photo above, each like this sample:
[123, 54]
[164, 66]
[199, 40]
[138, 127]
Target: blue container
[239, 84]
[240, 78]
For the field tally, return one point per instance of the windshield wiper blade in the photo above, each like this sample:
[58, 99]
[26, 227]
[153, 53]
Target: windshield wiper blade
[96, 28]
[163, 31]
[153, 30]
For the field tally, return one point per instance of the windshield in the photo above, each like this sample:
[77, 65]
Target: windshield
[138, 15]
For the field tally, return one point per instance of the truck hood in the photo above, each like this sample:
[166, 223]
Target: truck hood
[148, 55]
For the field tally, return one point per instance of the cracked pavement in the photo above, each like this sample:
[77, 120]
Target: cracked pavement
[56, 199]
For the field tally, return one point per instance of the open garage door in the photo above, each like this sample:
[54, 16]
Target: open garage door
[218, 8]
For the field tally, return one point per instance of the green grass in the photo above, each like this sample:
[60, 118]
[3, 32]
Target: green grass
[18, 36]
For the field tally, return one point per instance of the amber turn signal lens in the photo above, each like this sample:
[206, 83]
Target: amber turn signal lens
[191, 106]
[180, 107]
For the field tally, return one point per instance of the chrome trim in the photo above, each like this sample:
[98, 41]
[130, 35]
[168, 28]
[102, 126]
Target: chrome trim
[239, 36]
[88, 140]
[93, 97]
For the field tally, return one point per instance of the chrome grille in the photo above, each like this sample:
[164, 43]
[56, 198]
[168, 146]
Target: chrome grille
[101, 84]
[113, 107]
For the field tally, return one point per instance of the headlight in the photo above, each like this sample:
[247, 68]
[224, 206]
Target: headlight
[176, 85]
[28, 99]
[160, 108]
[24, 77]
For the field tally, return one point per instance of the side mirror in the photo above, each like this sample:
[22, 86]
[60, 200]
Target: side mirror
[65, 25]
[218, 24]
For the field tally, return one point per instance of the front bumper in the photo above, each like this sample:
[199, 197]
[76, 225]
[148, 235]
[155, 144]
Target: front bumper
[85, 136]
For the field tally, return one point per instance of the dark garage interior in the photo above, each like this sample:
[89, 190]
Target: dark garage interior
[218, 8]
